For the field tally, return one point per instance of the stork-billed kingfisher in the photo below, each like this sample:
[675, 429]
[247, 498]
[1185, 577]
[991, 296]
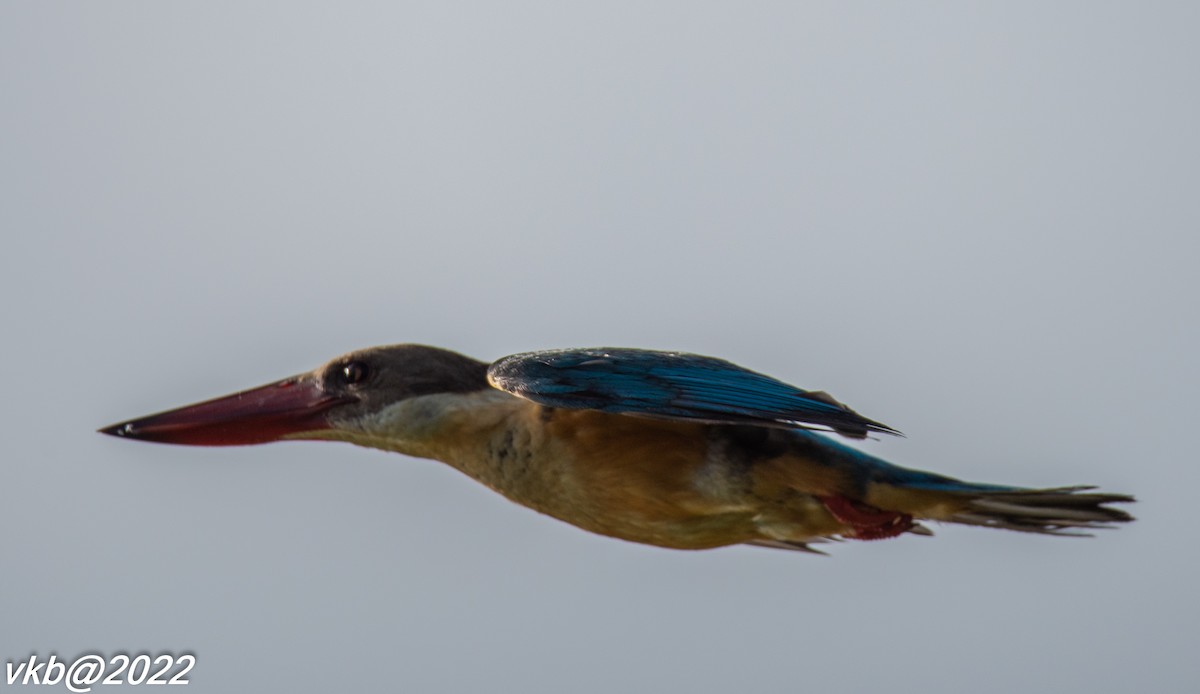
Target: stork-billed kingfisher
[664, 448]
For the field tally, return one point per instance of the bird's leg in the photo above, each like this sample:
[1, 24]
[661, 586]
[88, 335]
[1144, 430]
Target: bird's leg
[868, 522]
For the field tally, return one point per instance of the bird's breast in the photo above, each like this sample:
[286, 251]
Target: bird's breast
[662, 482]
[639, 479]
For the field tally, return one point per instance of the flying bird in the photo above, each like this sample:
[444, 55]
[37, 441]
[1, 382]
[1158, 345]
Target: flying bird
[664, 448]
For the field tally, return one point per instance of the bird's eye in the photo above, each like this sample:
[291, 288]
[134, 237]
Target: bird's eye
[355, 372]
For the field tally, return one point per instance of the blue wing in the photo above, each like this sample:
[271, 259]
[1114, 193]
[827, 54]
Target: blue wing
[673, 385]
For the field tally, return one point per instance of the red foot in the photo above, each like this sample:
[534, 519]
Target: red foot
[869, 523]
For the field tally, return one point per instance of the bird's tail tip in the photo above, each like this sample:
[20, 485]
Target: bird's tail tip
[1069, 511]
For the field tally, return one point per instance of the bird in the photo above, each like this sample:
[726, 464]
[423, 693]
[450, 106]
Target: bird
[669, 449]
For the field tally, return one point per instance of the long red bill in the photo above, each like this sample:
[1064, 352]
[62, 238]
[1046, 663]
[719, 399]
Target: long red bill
[259, 415]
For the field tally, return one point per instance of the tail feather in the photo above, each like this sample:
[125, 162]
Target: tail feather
[923, 495]
[1057, 511]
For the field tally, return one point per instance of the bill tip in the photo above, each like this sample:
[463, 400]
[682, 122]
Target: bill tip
[123, 429]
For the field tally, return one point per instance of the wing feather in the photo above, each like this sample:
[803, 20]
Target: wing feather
[673, 385]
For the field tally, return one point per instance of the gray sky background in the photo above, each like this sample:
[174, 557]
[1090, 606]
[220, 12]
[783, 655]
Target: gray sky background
[973, 221]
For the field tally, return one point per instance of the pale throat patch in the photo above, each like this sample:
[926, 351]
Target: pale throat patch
[424, 424]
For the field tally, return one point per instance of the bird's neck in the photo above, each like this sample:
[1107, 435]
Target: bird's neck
[465, 430]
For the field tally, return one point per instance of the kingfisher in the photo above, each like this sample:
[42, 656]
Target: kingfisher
[669, 449]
